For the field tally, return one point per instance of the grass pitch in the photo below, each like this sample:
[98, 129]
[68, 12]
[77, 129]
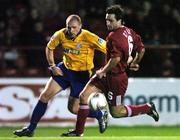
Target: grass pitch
[92, 133]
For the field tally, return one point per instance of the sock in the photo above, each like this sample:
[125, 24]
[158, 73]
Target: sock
[95, 114]
[134, 110]
[81, 118]
[38, 112]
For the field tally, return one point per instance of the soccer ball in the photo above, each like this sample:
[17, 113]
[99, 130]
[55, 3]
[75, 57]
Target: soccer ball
[97, 101]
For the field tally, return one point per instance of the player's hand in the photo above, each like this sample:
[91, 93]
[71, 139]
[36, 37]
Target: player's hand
[56, 71]
[134, 67]
[100, 74]
[130, 59]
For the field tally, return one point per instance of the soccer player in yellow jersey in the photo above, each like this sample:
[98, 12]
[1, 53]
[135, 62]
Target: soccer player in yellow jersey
[78, 52]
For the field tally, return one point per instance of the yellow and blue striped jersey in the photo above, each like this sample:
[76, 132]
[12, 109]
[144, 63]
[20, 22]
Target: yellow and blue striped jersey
[78, 54]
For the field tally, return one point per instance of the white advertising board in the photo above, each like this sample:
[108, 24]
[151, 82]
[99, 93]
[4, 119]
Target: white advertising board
[19, 96]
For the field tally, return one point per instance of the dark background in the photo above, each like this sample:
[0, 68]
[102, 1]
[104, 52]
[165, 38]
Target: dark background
[27, 25]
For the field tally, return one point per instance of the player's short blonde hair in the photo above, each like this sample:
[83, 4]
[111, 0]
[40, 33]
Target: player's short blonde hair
[74, 17]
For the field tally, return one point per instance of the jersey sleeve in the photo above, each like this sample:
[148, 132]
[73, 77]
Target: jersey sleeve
[138, 43]
[97, 42]
[54, 41]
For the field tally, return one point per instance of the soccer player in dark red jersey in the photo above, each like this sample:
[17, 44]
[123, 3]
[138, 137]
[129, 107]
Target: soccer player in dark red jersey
[112, 79]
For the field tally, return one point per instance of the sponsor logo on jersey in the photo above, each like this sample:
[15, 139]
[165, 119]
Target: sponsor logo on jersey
[78, 46]
[71, 51]
[100, 40]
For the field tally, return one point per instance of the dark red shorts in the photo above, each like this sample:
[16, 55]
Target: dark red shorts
[113, 86]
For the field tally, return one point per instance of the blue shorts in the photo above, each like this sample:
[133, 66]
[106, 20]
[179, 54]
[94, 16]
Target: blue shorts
[76, 80]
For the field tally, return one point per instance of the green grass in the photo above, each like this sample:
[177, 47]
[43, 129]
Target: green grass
[91, 133]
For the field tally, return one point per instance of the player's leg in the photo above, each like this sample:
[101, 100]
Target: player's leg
[129, 110]
[134, 110]
[73, 104]
[50, 90]
[118, 110]
[101, 116]
[73, 107]
[83, 110]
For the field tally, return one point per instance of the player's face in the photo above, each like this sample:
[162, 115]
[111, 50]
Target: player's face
[111, 22]
[73, 28]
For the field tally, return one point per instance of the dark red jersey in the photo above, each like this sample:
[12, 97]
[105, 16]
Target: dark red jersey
[121, 43]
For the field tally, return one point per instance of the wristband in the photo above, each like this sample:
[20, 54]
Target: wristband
[51, 66]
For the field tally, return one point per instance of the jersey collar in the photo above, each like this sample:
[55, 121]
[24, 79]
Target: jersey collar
[67, 36]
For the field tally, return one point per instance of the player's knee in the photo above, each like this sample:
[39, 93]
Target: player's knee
[73, 109]
[118, 112]
[115, 114]
[44, 98]
[83, 98]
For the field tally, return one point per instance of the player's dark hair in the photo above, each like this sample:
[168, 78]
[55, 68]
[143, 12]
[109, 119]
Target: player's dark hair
[74, 17]
[117, 10]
